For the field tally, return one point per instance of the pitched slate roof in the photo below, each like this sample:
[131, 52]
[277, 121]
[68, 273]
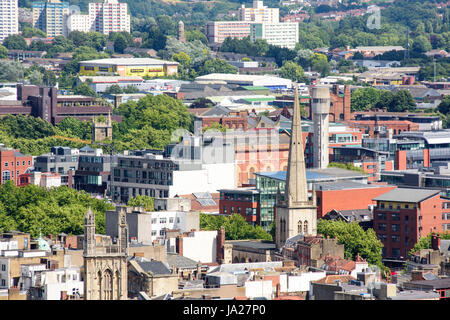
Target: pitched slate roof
[155, 267]
[178, 261]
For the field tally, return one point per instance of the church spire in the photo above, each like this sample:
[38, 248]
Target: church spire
[296, 192]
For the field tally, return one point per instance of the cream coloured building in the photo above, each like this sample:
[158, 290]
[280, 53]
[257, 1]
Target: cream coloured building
[51, 17]
[9, 18]
[259, 13]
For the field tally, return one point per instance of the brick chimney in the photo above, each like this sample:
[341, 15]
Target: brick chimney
[417, 275]
[179, 245]
[220, 242]
[435, 241]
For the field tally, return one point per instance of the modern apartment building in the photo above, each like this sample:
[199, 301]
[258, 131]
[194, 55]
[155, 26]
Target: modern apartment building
[153, 175]
[259, 13]
[281, 34]
[109, 16]
[104, 17]
[218, 31]
[51, 17]
[9, 18]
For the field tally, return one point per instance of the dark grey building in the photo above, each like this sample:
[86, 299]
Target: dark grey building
[62, 160]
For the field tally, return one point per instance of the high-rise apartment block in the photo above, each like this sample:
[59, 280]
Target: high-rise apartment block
[259, 13]
[259, 22]
[281, 34]
[106, 17]
[51, 17]
[9, 18]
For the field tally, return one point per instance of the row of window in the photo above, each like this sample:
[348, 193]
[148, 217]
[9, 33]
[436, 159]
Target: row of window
[395, 238]
[394, 216]
[164, 220]
[394, 227]
[17, 163]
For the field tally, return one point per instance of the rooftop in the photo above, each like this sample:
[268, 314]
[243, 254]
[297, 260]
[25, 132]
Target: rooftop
[316, 175]
[129, 61]
[407, 195]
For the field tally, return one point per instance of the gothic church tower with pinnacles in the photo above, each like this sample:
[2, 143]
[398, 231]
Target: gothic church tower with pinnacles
[105, 262]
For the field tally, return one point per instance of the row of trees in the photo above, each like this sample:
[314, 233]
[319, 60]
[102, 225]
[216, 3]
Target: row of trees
[35, 210]
[365, 99]
[236, 228]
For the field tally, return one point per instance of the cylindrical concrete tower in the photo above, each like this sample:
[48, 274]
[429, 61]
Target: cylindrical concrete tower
[320, 103]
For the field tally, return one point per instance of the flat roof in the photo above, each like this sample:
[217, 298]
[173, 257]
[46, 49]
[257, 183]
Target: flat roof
[129, 61]
[316, 175]
[254, 244]
[407, 195]
[345, 185]
[237, 77]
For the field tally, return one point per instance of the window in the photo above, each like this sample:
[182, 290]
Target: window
[382, 216]
[382, 226]
[162, 220]
[171, 220]
[178, 219]
[3, 283]
[162, 232]
[3, 267]
[395, 217]
[395, 227]
[6, 175]
[153, 232]
[395, 238]
[382, 205]
[154, 220]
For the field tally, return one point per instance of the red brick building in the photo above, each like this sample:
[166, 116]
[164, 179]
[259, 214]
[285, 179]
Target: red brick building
[347, 195]
[396, 126]
[340, 104]
[244, 201]
[403, 216]
[13, 164]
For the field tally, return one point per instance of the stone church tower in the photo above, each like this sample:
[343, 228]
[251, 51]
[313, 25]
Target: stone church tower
[105, 262]
[295, 214]
[101, 130]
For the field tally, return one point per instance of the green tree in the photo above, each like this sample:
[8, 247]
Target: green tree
[120, 44]
[236, 228]
[28, 32]
[421, 44]
[3, 52]
[15, 42]
[85, 90]
[320, 64]
[11, 71]
[142, 201]
[364, 99]
[74, 127]
[217, 66]
[291, 70]
[354, 238]
[36, 78]
[402, 101]
[444, 105]
[215, 126]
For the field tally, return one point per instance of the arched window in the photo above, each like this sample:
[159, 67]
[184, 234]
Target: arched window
[305, 227]
[107, 285]
[299, 227]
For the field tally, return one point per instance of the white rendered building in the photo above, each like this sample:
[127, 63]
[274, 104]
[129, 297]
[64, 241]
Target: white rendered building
[281, 34]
